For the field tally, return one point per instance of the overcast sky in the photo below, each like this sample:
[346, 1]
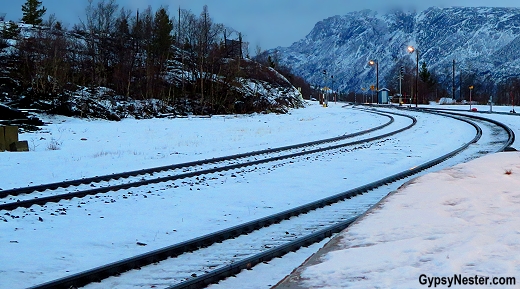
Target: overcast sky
[267, 23]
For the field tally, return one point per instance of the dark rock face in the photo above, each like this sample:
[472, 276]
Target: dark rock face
[482, 40]
[12, 116]
[7, 113]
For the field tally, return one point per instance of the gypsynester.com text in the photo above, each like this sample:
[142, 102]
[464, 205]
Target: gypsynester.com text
[458, 279]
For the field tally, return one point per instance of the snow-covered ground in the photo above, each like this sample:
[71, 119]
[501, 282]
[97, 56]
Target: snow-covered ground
[458, 226]
[461, 223]
[71, 148]
[80, 234]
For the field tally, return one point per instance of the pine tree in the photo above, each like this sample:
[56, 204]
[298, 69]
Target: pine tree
[11, 30]
[162, 38]
[425, 75]
[58, 26]
[3, 42]
[270, 62]
[32, 13]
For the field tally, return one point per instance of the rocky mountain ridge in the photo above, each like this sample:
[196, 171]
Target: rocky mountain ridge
[483, 41]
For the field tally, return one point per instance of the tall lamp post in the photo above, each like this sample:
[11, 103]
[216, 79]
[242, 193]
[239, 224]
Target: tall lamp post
[470, 89]
[411, 49]
[376, 63]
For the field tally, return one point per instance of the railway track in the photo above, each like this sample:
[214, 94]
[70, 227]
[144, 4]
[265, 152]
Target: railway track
[280, 234]
[474, 112]
[497, 124]
[56, 192]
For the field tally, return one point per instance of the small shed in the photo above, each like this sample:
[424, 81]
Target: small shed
[382, 96]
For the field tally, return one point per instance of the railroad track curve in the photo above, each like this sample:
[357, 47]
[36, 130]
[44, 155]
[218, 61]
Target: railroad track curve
[26, 197]
[236, 264]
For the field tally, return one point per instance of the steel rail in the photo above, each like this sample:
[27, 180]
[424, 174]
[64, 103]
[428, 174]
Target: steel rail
[203, 280]
[511, 134]
[80, 194]
[119, 267]
[247, 263]
[97, 179]
[461, 110]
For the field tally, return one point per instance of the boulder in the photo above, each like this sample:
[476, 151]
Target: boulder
[19, 146]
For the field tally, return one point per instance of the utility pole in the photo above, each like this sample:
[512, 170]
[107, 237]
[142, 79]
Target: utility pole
[460, 85]
[401, 75]
[453, 80]
[332, 77]
[417, 79]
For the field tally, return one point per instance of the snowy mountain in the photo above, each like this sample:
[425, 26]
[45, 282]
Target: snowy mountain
[485, 41]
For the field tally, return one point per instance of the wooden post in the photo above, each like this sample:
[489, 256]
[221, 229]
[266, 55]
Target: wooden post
[10, 135]
[3, 146]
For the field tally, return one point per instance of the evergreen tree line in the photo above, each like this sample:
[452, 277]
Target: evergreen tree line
[184, 60]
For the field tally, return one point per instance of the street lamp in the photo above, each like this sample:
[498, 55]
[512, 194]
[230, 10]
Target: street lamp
[376, 63]
[411, 49]
[470, 89]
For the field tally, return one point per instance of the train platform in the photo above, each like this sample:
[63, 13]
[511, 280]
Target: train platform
[458, 226]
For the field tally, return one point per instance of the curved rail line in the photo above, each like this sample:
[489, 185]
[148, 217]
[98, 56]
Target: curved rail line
[97, 179]
[117, 268]
[509, 131]
[230, 270]
[461, 110]
[79, 194]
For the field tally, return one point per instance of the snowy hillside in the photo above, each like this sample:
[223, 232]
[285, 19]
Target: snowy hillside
[481, 40]
[176, 85]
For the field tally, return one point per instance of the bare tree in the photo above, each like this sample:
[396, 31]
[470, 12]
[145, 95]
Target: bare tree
[44, 66]
[100, 25]
[124, 55]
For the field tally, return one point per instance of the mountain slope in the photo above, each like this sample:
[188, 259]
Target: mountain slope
[484, 40]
